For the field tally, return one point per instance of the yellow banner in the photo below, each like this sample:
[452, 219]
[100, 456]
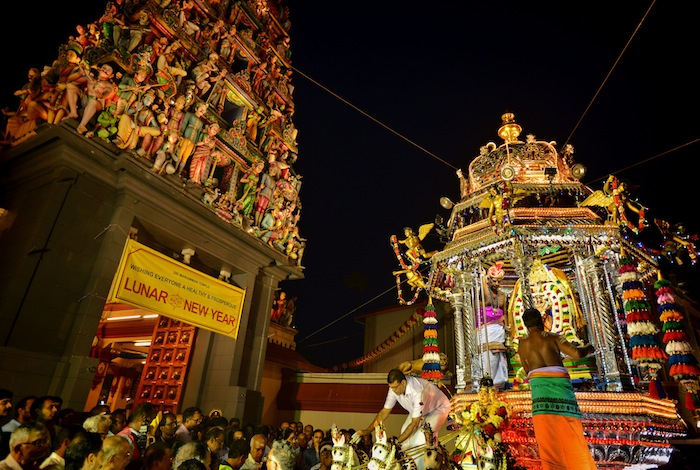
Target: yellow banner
[152, 281]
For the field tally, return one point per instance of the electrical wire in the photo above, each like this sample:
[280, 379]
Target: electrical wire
[641, 162]
[605, 80]
[372, 118]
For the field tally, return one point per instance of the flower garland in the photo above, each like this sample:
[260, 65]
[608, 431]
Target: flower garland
[431, 349]
[620, 207]
[683, 365]
[397, 251]
[646, 348]
[482, 424]
[399, 291]
[489, 418]
[410, 271]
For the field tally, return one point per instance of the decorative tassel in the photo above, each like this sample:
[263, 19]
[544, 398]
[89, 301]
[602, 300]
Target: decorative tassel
[431, 351]
[656, 390]
[690, 400]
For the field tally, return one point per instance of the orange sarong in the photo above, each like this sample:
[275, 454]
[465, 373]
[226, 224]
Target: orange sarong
[557, 421]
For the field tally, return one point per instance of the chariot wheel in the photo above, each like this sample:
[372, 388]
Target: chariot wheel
[362, 456]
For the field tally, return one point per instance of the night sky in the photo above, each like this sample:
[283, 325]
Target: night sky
[391, 99]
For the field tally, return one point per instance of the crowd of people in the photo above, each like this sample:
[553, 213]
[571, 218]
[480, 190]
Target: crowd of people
[38, 433]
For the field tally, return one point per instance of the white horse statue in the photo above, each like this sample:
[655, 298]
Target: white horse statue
[385, 455]
[344, 455]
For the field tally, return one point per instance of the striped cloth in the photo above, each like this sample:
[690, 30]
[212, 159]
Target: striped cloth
[557, 421]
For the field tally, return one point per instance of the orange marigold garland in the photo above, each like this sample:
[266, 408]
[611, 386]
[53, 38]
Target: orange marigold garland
[683, 365]
[431, 349]
[646, 348]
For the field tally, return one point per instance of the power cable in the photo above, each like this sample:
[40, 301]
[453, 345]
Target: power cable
[619, 57]
[369, 116]
[647, 159]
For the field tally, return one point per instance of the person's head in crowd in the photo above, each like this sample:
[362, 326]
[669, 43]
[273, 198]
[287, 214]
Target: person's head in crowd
[158, 457]
[309, 430]
[326, 454]
[23, 409]
[84, 452]
[192, 450]
[192, 464]
[238, 453]
[266, 431]
[5, 402]
[290, 435]
[45, 408]
[348, 434]
[98, 423]
[281, 456]
[30, 445]
[234, 423]
[317, 438]
[532, 318]
[239, 435]
[302, 440]
[257, 447]
[168, 425]
[116, 453]
[214, 439]
[64, 437]
[367, 441]
[142, 415]
[118, 420]
[192, 417]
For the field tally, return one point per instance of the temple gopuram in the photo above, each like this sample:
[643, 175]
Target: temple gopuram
[161, 129]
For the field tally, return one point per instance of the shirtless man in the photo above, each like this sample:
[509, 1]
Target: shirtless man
[555, 413]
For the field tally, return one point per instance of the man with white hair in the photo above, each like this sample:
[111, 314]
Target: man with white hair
[282, 456]
[192, 450]
[29, 446]
[99, 424]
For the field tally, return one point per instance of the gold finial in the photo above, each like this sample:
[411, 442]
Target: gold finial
[509, 131]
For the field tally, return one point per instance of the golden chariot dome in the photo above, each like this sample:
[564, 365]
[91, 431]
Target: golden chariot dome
[519, 192]
[529, 162]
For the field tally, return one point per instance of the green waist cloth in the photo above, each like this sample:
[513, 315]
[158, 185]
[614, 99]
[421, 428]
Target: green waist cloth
[553, 396]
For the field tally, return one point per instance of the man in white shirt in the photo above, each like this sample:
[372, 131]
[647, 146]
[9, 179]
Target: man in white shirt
[421, 398]
[257, 448]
